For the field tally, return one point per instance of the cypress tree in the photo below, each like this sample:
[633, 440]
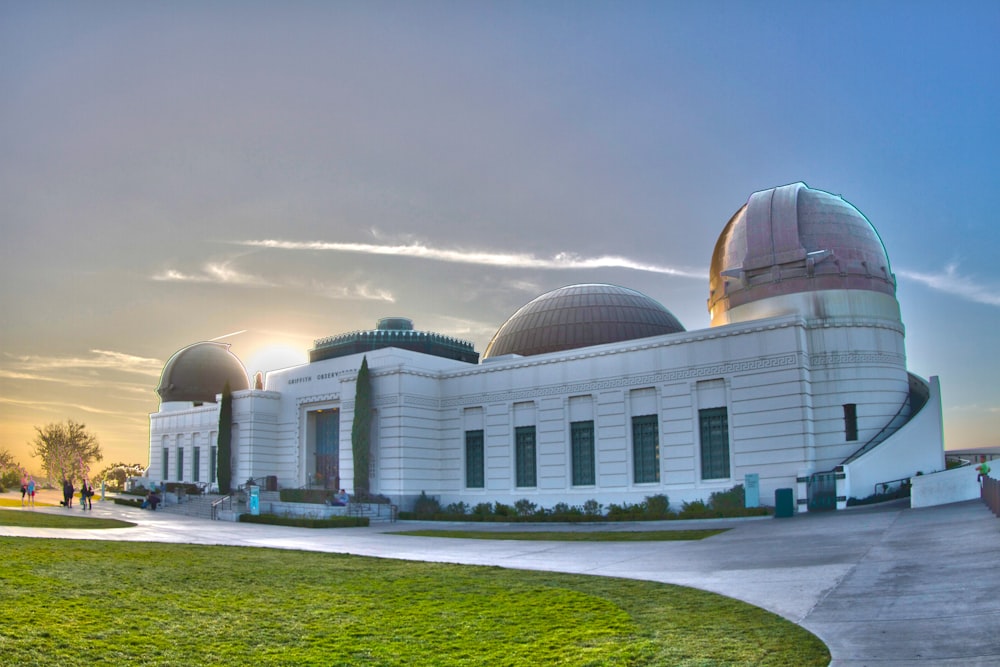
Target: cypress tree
[361, 429]
[224, 466]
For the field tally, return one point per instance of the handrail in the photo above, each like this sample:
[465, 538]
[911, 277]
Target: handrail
[216, 503]
[885, 485]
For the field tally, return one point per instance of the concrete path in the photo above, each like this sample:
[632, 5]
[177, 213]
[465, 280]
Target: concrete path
[882, 587]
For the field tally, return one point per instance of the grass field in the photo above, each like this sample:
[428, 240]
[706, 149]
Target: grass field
[44, 520]
[73, 602]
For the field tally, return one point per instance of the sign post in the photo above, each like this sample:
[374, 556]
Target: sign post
[751, 490]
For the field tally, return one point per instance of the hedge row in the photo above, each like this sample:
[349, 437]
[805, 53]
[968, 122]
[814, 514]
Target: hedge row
[306, 522]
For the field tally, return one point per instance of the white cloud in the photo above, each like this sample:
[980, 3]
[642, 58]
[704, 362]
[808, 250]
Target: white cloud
[53, 369]
[559, 261]
[225, 274]
[950, 281]
[215, 272]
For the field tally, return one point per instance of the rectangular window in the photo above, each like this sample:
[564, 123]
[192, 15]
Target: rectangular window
[165, 472]
[180, 464]
[213, 455]
[851, 421]
[582, 453]
[645, 449]
[474, 463]
[196, 465]
[524, 454]
[714, 427]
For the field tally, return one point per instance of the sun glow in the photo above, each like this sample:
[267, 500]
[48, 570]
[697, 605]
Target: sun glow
[274, 357]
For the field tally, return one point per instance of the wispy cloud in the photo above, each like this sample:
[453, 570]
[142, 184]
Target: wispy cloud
[227, 274]
[559, 261]
[32, 367]
[215, 272]
[950, 281]
[57, 406]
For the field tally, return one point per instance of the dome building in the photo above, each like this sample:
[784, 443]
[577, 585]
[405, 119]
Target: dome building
[580, 316]
[597, 392]
[199, 372]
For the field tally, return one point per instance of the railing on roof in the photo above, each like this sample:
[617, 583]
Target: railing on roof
[381, 335]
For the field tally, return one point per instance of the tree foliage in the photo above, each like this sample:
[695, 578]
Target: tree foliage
[67, 449]
[10, 470]
[114, 475]
[224, 452]
[361, 430]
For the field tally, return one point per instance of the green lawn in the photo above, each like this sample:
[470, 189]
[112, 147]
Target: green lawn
[71, 519]
[77, 602]
[570, 536]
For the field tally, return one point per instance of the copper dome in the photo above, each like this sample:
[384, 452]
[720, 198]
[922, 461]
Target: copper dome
[794, 239]
[580, 316]
[199, 372]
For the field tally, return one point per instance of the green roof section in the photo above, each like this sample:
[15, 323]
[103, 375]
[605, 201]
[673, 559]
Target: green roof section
[395, 332]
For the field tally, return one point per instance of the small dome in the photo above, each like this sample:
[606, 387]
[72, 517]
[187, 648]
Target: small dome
[580, 316]
[793, 240]
[199, 372]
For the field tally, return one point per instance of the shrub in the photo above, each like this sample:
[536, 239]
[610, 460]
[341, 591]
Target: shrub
[657, 506]
[459, 509]
[731, 502]
[313, 496]
[306, 522]
[502, 510]
[626, 511]
[371, 498]
[482, 511]
[592, 508]
[426, 507]
[525, 507]
[696, 509]
[129, 502]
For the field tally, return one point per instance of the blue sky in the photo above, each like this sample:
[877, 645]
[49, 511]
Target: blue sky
[270, 173]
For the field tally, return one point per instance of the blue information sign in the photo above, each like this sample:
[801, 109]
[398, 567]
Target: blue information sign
[254, 500]
[751, 488]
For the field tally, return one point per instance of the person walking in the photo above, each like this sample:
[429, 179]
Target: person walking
[24, 488]
[84, 487]
[31, 490]
[68, 492]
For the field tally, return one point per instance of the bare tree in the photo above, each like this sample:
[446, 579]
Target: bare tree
[66, 449]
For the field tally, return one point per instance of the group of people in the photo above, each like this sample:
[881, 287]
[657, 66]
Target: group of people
[28, 491]
[152, 500]
[86, 494]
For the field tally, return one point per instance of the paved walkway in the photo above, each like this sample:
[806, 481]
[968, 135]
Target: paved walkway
[882, 587]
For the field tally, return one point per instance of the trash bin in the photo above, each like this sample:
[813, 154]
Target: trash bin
[784, 503]
[271, 483]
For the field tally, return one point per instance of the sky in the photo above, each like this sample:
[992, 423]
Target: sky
[267, 174]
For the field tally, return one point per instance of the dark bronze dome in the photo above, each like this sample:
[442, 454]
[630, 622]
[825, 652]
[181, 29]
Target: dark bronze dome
[199, 372]
[580, 316]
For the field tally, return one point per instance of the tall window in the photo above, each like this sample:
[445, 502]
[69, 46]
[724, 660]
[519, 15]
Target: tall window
[165, 471]
[213, 462]
[180, 464]
[851, 421]
[474, 463]
[196, 465]
[582, 443]
[645, 449]
[524, 455]
[714, 426]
